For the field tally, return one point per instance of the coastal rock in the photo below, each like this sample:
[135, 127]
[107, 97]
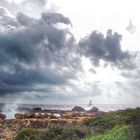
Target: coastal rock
[19, 116]
[78, 109]
[93, 110]
[37, 109]
[24, 115]
[2, 116]
[58, 111]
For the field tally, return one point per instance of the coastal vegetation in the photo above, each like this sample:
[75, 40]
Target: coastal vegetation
[119, 125]
[53, 133]
[119, 132]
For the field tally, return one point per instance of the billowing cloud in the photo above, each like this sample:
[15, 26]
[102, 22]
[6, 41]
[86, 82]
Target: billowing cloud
[36, 52]
[39, 57]
[98, 47]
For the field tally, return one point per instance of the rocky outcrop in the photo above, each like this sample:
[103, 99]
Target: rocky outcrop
[78, 109]
[37, 109]
[24, 115]
[37, 115]
[2, 116]
[93, 110]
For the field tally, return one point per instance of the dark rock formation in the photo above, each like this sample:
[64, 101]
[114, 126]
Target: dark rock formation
[37, 109]
[24, 115]
[2, 116]
[78, 109]
[93, 110]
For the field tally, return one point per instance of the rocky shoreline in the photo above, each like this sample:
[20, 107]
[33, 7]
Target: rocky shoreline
[70, 123]
[39, 118]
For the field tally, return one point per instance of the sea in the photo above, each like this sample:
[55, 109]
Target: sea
[10, 109]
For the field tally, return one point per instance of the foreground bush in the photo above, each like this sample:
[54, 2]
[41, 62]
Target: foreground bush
[31, 134]
[53, 133]
[129, 117]
[119, 132]
[111, 119]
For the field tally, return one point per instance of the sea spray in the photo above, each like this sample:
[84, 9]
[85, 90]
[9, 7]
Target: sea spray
[10, 110]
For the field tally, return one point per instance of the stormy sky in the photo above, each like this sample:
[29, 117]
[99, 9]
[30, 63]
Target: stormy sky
[58, 51]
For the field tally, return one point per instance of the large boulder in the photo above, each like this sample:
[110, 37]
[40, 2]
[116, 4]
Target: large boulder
[2, 116]
[78, 109]
[37, 109]
[93, 110]
[24, 115]
[20, 116]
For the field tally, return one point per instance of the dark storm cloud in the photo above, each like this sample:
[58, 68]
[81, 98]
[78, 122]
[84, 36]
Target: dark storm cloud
[25, 80]
[35, 53]
[37, 38]
[98, 47]
[38, 55]
[55, 18]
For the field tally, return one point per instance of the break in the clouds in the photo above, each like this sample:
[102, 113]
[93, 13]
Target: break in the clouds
[40, 59]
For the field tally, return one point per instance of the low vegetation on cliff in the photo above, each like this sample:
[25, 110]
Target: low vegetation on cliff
[53, 133]
[119, 125]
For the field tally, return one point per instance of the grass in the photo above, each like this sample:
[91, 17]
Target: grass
[119, 132]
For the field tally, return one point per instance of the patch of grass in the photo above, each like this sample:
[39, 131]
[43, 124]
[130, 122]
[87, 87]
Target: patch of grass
[119, 132]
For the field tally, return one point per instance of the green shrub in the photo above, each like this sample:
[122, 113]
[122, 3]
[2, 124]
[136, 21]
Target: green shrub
[119, 132]
[102, 123]
[53, 133]
[30, 134]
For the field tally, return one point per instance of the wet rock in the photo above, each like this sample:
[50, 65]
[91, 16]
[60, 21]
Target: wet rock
[78, 109]
[2, 116]
[30, 115]
[19, 116]
[24, 115]
[93, 110]
[37, 109]
[53, 111]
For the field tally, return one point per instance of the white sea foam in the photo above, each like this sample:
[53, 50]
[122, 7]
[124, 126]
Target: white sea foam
[10, 110]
